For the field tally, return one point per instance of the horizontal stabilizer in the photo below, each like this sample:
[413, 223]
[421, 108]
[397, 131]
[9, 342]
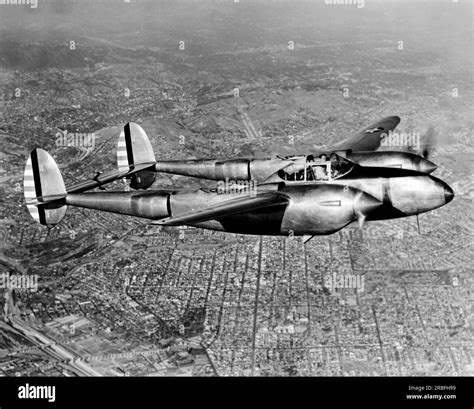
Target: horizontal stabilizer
[103, 179]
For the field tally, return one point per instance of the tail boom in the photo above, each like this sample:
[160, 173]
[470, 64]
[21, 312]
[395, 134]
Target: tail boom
[150, 205]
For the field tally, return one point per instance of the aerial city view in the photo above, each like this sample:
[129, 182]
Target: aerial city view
[106, 294]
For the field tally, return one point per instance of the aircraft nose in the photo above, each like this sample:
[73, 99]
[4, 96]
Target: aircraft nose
[427, 166]
[448, 193]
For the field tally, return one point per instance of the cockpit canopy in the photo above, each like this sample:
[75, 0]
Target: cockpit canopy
[317, 168]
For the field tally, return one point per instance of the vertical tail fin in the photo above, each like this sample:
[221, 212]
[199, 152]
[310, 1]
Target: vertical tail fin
[134, 148]
[44, 188]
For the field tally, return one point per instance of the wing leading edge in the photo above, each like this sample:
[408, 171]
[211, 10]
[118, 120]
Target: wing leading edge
[368, 138]
[229, 208]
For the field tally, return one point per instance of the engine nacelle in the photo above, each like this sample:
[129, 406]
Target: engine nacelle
[392, 159]
[324, 209]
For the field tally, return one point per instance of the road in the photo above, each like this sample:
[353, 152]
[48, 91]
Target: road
[50, 347]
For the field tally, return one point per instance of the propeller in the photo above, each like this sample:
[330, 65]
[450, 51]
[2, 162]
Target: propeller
[426, 151]
[361, 221]
[429, 141]
[364, 205]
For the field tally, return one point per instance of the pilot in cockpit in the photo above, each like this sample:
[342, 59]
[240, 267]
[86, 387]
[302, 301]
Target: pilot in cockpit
[318, 167]
[334, 159]
[320, 172]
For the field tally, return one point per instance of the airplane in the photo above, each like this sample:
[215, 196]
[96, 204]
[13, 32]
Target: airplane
[302, 195]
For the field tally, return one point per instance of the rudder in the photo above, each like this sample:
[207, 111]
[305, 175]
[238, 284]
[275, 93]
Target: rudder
[44, 188]
[134, 148]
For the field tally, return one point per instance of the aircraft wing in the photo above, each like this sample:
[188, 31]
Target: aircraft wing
[105, 178]
[368, 138]
[229, 208]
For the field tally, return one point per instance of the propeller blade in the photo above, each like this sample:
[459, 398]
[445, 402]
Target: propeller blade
[361, 221]
[426, 151]
[364, 205]
[429, 141]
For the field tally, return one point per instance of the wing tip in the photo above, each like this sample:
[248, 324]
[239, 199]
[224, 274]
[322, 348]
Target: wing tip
[393, 118]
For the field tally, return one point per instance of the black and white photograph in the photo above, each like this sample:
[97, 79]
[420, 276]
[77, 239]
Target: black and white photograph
[274, 192]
